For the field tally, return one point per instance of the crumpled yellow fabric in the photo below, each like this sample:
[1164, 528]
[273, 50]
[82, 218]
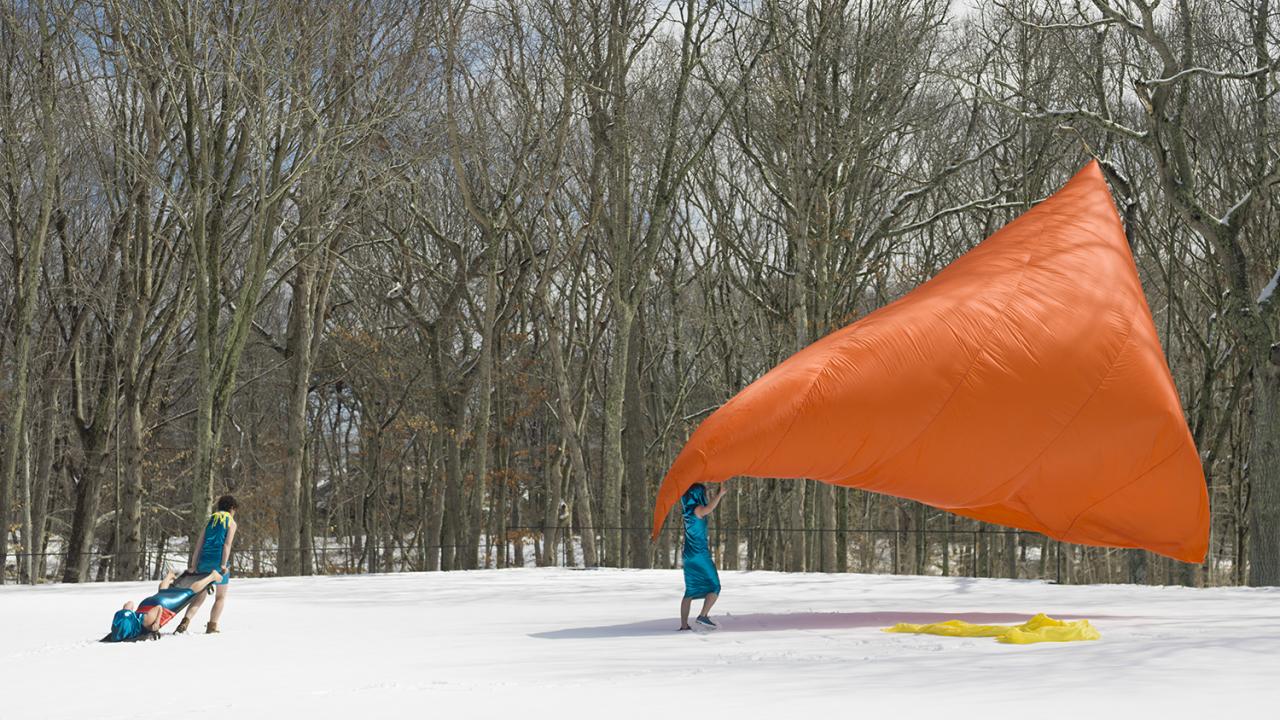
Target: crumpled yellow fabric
[1040, 628]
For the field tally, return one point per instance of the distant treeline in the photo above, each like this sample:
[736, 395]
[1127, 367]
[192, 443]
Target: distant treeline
[442, 281]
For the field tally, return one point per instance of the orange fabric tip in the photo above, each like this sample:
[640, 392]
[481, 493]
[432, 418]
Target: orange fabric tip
[1024, 385]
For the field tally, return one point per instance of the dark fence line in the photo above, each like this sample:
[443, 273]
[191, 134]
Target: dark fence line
[556, 546]
[576, 530]
[152, 553]
[949, 551]
[753, 529]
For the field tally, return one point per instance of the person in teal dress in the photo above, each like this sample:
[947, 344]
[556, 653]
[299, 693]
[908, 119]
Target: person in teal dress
[700, 577]
[212, 552]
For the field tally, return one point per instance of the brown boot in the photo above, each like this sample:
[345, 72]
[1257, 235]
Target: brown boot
[182, 626]
[211, 628]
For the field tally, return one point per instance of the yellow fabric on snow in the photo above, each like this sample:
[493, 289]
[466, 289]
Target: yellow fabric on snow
[1040, 628]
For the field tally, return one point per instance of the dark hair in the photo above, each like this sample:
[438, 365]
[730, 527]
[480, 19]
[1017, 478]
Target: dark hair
[227, 503]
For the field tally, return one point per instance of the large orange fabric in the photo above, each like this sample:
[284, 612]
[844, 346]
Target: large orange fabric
[1023, 385]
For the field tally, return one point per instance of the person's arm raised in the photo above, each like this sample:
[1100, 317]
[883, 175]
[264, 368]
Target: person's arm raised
[705, 510]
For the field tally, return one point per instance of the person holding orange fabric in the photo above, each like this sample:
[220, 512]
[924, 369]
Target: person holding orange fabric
[700, 577]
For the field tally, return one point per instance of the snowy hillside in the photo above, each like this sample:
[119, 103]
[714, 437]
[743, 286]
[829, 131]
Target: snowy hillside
[601, 644]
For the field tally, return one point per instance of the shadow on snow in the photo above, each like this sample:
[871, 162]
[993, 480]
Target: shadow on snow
[773, 622]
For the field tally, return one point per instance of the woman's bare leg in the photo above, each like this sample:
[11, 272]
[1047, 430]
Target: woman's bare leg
[707, 602]
[685, 604]
[200, 585]
[193, 607]
[199, 588]
[219, 600]
[169, 577]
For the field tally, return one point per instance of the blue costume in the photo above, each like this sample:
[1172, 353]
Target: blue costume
[128, 624]
[125, 625]
[171, 599]
[700, 576]
[215, 537]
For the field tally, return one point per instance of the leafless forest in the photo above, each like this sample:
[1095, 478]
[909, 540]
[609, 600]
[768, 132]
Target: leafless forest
[441, 285]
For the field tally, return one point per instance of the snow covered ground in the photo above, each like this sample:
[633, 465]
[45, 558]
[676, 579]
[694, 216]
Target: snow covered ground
[571, 644]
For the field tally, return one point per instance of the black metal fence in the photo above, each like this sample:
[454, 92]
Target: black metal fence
[973, 552]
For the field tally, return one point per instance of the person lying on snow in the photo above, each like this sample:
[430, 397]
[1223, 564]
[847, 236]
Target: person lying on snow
[152, 613]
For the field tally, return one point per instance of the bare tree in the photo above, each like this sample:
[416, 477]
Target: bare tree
[1182, 62]
[33, 38]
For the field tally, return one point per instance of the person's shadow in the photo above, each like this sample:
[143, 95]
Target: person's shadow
[771, 622]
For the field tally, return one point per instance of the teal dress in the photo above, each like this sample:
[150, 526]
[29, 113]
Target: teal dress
[215, 538]
[700, 576]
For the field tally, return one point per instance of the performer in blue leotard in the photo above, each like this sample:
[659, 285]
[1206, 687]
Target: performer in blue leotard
[700, 577]
[212, 551]
[151, 614]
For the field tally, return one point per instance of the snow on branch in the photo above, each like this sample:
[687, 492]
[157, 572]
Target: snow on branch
[1223, 74]
[1268, 292]
[1091, 118]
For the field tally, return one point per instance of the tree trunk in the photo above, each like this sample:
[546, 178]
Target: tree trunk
[826, 507]
[84, 519]
[635, 438]
[922, 540]
[842, 530]
[371, 505]
[307, 512]
[946, 545]
[202, 468]
[43, 479]
[517, 551]
[435, 525]
[1264, 475]
[614, 460]
[733, 538]
[1139, 567]
[131, 542]
[570, 434]
[553, 477]
[26, 563]
[484, 411]
[27, 277]
[795, 540]
[1011, 553]
[452, 531]
[298, 348]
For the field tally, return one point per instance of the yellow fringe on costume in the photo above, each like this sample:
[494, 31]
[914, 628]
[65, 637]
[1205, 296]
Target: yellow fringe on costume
[1040, 628]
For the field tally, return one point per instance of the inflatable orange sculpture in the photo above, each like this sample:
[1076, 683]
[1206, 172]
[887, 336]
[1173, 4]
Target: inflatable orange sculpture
[1024, 385]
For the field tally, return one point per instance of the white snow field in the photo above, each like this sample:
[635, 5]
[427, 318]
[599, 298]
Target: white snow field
[554, 643]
